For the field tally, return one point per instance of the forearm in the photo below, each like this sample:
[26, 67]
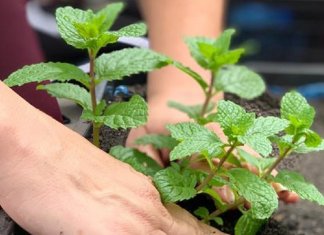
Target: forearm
[169, 22]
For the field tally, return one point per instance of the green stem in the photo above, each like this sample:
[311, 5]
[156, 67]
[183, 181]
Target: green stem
[214, 172]
[96, 128]
[209, 95]
[276, 163]
[216, 213]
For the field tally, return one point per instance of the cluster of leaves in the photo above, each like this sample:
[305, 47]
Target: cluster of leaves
[90, 31]
[192, 141]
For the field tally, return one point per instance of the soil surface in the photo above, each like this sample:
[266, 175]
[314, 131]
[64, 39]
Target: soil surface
[303, 218]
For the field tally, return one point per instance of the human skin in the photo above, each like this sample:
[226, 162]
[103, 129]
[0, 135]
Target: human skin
[53, 181]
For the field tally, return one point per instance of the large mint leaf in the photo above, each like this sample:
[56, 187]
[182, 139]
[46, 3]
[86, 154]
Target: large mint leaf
[247, 225]
[133, 30]
[258, 192]
[194, 139]
[175, 186]
[296, 182]
[241, 81]
[294, 107]
[121, 115]
[234, 120]
[109, 15]
[47, 71]
[138, 160]
[119, 64]
[262, 128]
[193, 111]
[67, 18]
[69, 91]
[158, 141]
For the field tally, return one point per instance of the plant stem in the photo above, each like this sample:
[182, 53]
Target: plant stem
[209, 95]
[95, 128]
[214, 172]
[229, 207]
[276, 163]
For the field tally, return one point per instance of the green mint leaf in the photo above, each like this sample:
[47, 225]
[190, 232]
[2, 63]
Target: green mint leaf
[218, 220]
[132, 113]
[158, 141]
[258, 192]
[133, 30]
[193, 139]
[234, 120]
[302, 148]
[74, 26]
[247, 225]
[101, 106]
[213, 54]
[262, 128]
[312, 139]
[69, 91]
[193, 111]
[122, 63]
[175, 186]
[249, 158]
[296, 182]
[294, 107]
[197, 52]
[109, 15]
[241, 81]
[47, 71]
[202, 212]
[192, 74]
[138, 160]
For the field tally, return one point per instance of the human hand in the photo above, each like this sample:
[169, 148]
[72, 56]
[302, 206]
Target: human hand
[53, 181]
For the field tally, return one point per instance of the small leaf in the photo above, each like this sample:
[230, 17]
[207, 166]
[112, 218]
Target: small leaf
[234, 120]
[109, 14]
[121, 115]
[294, 107]
[195, 50]
[218, 220]
[158, 141]
[241, 81]
[69, 91]
[258, 192]
[47, 71]
[192, 74]
[312, 139]
[247, 225]
[193, 111]
[202, 212]
[138, 160]
[133, 30]
[296, 182]
[249, 158]
[302, 148]
[193, 139]
[122, 63]
[175, 186]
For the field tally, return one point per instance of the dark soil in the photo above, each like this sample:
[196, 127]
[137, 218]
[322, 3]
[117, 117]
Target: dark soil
[301, 219]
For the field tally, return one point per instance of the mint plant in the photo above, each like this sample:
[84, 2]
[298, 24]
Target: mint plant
[192, 141]
[89, 31]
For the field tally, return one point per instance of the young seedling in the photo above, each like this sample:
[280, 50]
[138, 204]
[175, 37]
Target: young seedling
[89, 31]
